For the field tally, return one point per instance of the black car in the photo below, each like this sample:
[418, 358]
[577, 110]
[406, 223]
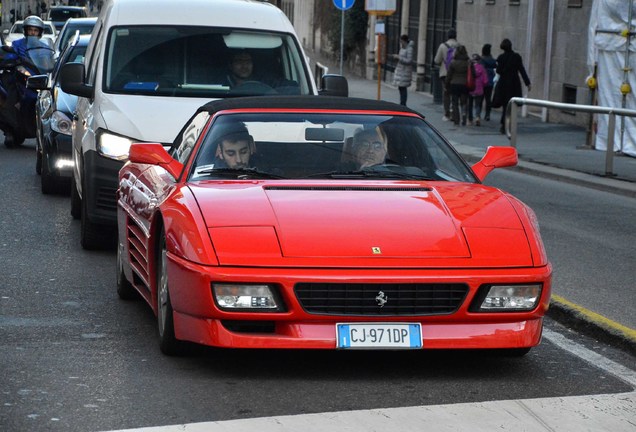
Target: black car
[54, 117]
[61, 13]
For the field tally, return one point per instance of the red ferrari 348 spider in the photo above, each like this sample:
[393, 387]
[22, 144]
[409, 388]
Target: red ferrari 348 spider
[327, 223]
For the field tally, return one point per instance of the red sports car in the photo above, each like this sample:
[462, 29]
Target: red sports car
[329, 223]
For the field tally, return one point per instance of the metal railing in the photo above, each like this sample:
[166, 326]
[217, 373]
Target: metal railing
[516, 102]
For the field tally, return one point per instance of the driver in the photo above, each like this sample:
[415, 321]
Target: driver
[241, 68]
[235, 146]
[369, 147]
[32, 26]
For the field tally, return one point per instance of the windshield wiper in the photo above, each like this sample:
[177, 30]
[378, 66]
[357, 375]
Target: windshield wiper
[240, 173]
[370, 174]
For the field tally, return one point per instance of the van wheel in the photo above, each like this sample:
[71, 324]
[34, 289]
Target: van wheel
[76, 201]
[92, 236]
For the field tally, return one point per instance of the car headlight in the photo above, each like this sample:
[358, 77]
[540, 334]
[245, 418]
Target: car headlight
[244, 297]
[509, 298]
[61, 123]
[113, 146]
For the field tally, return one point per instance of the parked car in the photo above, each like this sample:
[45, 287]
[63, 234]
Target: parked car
[54, 118]
[83, 25]
[60, 14]
[144, 66]
[327, 223]
[17, 32]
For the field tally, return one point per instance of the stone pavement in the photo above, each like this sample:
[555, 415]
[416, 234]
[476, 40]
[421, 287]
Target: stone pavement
[547, 149]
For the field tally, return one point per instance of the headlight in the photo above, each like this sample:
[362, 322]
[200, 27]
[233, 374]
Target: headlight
[61, 123]
[512, 298]
[240, 296]
[113, 146]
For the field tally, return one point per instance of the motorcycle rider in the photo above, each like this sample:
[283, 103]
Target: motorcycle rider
[33, 26]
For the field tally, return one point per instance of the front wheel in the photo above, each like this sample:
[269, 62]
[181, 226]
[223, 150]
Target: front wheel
[76, 201]
[168, 343]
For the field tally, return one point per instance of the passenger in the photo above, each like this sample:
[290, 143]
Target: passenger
[235, 147]
[369, 147]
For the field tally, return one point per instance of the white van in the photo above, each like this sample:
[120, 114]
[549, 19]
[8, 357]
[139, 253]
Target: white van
[150, 65]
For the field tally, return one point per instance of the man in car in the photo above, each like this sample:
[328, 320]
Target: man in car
[369, 147]
[235, 147]
[241, 68]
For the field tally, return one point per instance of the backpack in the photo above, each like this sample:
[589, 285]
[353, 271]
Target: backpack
[470, 76]
[449, 55]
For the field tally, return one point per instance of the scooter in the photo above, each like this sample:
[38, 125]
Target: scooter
[17, 108]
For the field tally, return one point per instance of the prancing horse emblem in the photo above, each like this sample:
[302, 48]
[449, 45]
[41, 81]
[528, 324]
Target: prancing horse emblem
[381, 299]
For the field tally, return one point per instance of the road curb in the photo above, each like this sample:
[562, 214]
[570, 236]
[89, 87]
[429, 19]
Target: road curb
[592, 324]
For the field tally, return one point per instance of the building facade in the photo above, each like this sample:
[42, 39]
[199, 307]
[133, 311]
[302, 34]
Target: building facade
[550, 35]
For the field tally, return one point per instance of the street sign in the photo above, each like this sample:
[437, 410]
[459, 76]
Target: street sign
[380, 7]
[343, 4]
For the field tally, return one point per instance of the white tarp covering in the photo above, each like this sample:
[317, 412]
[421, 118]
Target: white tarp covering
[608, 50]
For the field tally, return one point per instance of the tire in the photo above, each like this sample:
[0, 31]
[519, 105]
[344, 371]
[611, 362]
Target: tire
[92, 236]
[38, 160]
[168, 343]
[76, 201]
[125, 290]
[49, 184]
[9, 141]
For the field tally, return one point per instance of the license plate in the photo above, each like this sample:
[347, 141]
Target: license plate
[379, 335]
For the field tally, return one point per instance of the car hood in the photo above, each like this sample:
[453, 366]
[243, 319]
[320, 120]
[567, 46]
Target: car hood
[147, 118]
[395, 222]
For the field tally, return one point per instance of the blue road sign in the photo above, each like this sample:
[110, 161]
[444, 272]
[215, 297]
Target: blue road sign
[343, 4]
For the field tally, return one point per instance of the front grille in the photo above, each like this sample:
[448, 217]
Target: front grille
[365, 299]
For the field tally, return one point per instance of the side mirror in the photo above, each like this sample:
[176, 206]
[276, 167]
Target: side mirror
[5, 31]
[154, 154]
[333, 85]
[495, 157]
[38, 82]
[72, 80]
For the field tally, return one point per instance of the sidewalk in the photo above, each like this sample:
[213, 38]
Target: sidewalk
[546, 149]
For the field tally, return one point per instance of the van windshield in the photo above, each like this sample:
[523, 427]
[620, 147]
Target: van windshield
[202, 62]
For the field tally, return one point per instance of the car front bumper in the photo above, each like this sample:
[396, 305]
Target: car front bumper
[198, 319]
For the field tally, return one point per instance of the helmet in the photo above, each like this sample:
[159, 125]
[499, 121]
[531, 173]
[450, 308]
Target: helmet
[33, 21]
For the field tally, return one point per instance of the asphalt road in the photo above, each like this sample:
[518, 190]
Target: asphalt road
[76, 358]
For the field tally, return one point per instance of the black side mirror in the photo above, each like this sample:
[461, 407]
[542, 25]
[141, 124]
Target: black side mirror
[38, 82]
[72, 80]
[334, 85]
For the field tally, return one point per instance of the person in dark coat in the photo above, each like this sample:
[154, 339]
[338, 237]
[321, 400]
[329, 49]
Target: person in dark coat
[490, 64]
[456, 82]
[509, 67]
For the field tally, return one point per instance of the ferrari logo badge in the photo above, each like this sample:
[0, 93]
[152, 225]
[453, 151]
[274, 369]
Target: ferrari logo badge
[376, 250]
[381, 299]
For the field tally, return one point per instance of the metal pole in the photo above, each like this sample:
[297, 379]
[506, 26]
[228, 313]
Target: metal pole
[611, 128]
[341, 39]
[512, 118]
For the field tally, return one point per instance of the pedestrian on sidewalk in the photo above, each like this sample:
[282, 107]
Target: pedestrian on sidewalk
[476, 96]
[509, 67]
[456, 80]
[443, 59]
[490, 64]
[403, 74]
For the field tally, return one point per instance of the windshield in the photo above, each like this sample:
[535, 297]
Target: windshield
[40, 52]
[196, 61]
[69, 32]
[326, 146]
[64, 14]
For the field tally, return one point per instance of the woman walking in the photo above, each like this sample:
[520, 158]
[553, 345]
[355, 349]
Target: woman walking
[404, 70]
[509, 67]
[456, 81]
[490, 64]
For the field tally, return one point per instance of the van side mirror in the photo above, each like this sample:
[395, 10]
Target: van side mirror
[333, 85]
[72, 80]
